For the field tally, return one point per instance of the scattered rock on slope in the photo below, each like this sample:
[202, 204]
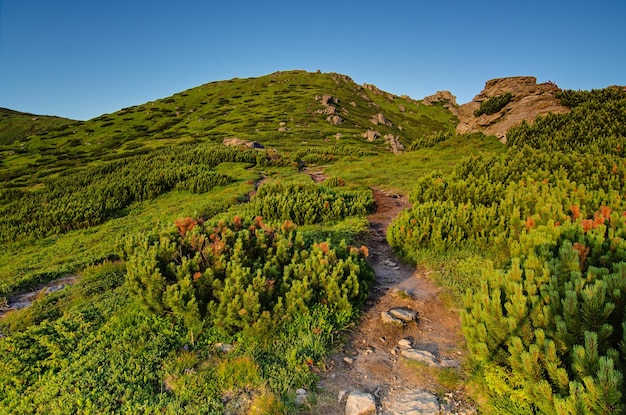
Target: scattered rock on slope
[529, 100]
[380, 119]
[371, 135]
[238, 142]
[394, 143]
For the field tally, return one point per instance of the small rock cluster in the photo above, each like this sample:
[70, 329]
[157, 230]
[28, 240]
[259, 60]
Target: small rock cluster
[330, 104]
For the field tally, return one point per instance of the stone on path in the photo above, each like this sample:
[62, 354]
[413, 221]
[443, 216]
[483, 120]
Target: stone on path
[421, 356]
[387, 318]
[403, 314]
[417, 402]
[360, 403]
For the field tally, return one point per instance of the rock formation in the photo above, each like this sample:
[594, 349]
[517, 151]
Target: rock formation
[449, 101]
[529, 100]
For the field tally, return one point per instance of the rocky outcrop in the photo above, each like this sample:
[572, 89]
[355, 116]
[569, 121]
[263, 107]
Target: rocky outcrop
[238, 142]
[446, 97]
[529, 100]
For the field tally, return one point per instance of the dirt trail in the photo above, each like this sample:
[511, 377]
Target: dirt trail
[370, 359]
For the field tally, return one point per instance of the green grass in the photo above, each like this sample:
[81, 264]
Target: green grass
[399, 172]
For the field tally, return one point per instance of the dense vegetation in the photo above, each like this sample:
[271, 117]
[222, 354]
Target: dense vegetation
[493, 104]
[545, 321]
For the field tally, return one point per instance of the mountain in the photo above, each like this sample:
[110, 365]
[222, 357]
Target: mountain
[285, 110]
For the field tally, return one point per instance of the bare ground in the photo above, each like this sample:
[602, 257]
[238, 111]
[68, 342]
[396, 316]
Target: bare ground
[369, 359]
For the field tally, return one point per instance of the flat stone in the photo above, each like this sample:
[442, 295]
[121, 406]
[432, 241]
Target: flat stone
[360, 403]
[403, 314]
[421, 356]
[418, 402]
[387, 318]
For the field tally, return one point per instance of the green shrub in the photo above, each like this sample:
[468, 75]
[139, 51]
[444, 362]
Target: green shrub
[232, 275]
[493, 104]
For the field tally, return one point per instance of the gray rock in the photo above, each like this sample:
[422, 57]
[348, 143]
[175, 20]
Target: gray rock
[301, 397]
[404, 343]
[394, 143]
[360, 403]
[330, 110]
[389, 319]
[421, 356]
[403, 314]
[381, 119]
[417, 402]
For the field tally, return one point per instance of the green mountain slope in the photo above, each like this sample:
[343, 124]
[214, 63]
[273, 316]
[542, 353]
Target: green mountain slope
[254, 109]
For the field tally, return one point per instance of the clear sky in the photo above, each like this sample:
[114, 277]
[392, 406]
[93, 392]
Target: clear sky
[82, 58]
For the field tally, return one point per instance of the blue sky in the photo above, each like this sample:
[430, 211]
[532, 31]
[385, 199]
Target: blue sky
[80, 59]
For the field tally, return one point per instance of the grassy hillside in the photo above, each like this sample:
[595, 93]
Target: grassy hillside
[215, 279]
[254, 108]
[16, 127]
